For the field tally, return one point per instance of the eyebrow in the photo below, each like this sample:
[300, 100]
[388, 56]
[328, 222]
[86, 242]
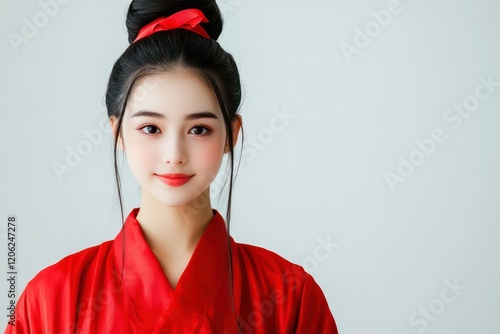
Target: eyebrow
[198, 115]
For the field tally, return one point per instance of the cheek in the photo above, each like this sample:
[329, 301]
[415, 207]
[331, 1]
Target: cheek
[211, 156]
[139, 156]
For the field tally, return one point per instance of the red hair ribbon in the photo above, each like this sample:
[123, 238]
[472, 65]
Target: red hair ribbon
[186, 19]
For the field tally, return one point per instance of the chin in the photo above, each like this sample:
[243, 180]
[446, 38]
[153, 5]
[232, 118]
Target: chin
[175, 196]
[172, 201]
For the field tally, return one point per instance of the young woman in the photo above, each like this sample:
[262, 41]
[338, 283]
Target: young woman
[172, 101]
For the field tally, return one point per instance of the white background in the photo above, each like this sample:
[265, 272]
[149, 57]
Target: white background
[322, 176]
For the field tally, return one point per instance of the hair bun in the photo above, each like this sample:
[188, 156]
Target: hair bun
[142, 12]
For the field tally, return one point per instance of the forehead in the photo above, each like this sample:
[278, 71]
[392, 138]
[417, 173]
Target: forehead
[172, 93]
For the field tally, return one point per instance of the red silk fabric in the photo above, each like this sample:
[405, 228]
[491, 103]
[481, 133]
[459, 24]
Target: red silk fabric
[82, 292]
[186, 19]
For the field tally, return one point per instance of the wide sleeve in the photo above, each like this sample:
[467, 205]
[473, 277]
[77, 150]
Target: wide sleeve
[314, 313]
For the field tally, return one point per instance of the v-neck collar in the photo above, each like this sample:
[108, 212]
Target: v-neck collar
[149, 290]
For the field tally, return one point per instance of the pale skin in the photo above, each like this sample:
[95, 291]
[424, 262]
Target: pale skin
[173, 219]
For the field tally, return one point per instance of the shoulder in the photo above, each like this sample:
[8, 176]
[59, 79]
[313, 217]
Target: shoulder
[262, 255]
[286, 287]
[66, 273]
[274, 267]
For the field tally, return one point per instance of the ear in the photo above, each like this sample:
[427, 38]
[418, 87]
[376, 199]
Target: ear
[236, 126]
[114, 124]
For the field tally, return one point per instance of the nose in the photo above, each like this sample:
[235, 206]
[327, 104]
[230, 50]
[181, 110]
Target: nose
[174, 150]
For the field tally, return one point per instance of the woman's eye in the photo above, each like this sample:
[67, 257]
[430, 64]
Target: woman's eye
[200, 129]
[149, 127]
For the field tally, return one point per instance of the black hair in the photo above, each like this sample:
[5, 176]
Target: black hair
[166, 51]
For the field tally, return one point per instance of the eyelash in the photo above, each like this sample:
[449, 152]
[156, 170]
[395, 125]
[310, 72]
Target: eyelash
[209, 130]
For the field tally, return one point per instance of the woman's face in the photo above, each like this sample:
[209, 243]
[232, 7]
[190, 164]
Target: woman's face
[173, 141]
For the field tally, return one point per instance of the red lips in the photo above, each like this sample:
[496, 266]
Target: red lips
[174, 180]
[174, 176]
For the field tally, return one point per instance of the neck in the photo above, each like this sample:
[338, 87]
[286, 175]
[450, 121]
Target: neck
[171, 232]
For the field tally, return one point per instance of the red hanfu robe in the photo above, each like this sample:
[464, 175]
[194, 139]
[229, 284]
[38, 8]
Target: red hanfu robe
[83, 293]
